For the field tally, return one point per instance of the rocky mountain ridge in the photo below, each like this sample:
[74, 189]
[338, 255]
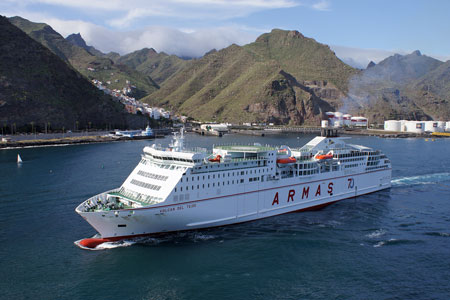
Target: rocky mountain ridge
[399, 88]
[283, 77]
[38, 89]
[96, 65]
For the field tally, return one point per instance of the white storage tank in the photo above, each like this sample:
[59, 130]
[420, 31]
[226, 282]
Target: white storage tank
[393, 125]
[338, 115]
[338, 119]
[359, 122]
[431, 126]
[338, 123]
[447, 126]
[441, 126]
[415, 126]
[324, 123]
[330, 116]
[347, 119]
[403, 125]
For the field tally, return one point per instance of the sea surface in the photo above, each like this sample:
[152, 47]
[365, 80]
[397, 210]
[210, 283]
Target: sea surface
[393, 244]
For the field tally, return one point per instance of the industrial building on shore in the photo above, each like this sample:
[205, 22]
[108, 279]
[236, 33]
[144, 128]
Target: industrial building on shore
[416, 126]
[338, 120]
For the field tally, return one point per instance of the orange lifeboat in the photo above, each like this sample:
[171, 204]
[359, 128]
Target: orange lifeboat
[215, 159]
[324, 156]
[286, 160]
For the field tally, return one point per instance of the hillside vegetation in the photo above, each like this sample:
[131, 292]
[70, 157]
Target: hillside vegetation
[282, 77]
[38, 89]
[78, 57]
[159, 66]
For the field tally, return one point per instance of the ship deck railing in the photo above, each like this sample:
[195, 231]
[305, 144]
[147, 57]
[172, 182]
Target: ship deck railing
[185, 150]
[100, 202]
[246, 148]
[117, 193]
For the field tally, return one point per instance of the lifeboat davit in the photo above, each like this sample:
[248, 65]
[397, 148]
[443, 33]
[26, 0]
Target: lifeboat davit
[215, 159]
[91, 243]
[286, 160]
[324, 156]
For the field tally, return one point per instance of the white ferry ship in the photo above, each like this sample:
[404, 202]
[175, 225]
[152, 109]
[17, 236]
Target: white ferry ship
[175, 189]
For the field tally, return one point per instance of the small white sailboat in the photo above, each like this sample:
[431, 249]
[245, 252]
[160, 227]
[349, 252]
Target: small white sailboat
[19, 159]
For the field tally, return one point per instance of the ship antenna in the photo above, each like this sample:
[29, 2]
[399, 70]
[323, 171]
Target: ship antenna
[178, 141]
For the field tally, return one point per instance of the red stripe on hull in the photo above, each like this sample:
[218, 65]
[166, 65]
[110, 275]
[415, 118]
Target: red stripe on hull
[94, 242]
[251, 192]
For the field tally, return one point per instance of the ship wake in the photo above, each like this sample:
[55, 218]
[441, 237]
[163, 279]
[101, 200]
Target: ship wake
[421, 179]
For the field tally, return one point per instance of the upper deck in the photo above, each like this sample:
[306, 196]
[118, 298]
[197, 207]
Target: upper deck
[175, 174]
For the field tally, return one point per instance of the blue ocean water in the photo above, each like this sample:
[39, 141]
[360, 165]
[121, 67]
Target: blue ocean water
[393, 244]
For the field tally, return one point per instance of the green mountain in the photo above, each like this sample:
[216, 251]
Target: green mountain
[158, 66]
[77, 40]
[93, 67]
[432, 92]
[283, 77]
[39, 89]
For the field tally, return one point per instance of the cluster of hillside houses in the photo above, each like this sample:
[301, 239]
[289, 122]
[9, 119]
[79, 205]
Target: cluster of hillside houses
[134, 106]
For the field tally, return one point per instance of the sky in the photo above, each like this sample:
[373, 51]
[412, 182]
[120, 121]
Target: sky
[357, 30]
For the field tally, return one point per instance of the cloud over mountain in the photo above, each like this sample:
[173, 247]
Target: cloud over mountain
[184, 43]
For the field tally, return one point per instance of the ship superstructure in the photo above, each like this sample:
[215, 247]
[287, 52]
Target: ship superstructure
[174, 189]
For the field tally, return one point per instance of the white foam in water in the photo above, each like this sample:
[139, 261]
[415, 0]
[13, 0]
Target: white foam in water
[382, 243]
[203, 237]
[112, 245]
[421, 179]
[376, 233]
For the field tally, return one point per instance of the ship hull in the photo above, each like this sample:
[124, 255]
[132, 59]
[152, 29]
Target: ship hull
[233, 205]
